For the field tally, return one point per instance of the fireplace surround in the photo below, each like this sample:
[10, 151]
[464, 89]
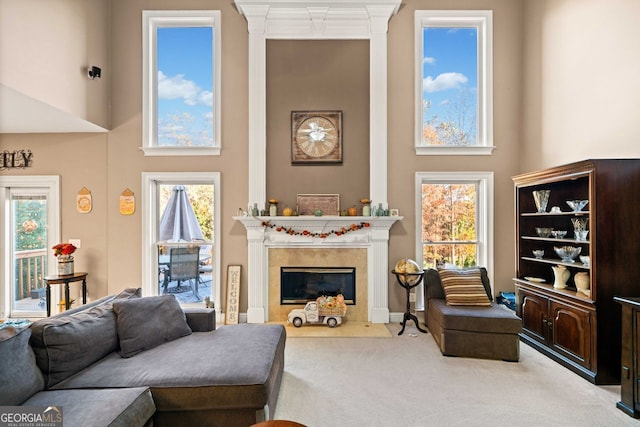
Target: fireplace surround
[302, 20]
[365, 248]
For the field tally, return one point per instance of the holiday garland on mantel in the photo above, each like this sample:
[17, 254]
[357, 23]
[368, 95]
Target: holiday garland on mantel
[323, 235]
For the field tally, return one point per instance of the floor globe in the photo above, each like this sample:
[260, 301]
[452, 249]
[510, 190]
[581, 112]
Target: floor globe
[408, 271]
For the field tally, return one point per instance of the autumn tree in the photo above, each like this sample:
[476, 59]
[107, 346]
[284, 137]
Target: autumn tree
[449, 224]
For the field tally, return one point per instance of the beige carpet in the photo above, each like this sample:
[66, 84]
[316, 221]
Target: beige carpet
[348, 329]
[404, 381]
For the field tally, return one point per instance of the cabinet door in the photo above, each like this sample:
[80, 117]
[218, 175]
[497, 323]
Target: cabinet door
[570, 333]
[534, 315]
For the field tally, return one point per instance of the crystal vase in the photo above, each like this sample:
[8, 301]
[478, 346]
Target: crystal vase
[541, 197]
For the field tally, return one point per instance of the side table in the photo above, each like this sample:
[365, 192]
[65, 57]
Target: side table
[66, 279]
[409, 281]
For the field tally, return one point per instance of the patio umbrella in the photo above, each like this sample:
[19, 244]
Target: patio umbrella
[179, 222]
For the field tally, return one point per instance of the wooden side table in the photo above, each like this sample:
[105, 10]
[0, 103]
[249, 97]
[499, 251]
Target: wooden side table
[66, 279]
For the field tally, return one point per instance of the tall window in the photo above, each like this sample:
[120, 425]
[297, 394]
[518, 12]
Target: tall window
[31, 217]
[454, 212]
[181, 254]
[181, 72]
[453, 82]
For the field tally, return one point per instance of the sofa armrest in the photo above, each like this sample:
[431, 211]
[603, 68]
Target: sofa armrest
[201, 319]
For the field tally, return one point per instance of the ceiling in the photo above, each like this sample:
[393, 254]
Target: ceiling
[20, 113]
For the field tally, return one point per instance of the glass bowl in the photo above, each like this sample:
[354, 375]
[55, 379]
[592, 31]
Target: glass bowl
[544, 231]
[568, 253]
[538, 253]
[559, 234]
[577, 205]
[585, 260]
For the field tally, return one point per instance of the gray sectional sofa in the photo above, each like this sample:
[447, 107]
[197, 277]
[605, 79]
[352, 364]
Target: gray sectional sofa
[130, 361]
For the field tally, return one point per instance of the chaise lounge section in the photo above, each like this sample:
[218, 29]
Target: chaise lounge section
[470, 329]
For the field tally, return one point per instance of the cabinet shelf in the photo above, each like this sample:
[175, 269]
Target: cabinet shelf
[556, 261]
[571, 213]
[553, 239]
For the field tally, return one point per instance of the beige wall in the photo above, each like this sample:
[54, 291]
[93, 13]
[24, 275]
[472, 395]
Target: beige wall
[543, 97]
[317, 75]
[46, 47]
[581, 85]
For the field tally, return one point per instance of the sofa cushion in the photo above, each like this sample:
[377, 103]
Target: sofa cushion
[20, 375]
[70, 341]
[236, 366]
[145, 323]
[493, 319]
[464, 287]
[125, 407]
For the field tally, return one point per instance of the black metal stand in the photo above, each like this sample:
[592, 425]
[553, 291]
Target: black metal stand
[402, 280]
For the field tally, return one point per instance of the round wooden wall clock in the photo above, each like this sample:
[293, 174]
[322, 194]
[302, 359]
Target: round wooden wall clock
[316, 137]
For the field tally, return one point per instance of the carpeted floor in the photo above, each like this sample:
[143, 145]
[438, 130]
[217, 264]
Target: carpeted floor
[404, 381]
[348, 329]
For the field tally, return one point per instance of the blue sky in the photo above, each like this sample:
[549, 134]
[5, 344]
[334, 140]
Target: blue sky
[185, 85]
[449, 70]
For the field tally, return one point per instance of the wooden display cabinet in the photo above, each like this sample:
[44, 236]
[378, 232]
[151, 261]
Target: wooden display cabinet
[580, 330]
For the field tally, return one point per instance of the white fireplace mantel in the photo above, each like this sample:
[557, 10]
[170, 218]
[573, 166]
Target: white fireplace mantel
[371, 233]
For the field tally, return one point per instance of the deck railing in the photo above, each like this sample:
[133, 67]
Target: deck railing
[31, 267]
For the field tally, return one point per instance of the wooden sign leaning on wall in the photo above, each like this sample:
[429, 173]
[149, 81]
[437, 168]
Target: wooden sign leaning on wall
[233, 295]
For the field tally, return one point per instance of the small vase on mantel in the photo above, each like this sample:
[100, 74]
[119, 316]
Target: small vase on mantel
[65, 265]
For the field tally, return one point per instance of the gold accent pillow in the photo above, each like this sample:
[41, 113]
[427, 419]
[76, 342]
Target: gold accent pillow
[464, 287]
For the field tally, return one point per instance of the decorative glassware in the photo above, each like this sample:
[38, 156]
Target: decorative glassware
[541, 197]
[568, 253]
[543, 231]
[579, 224]
[559, 234]
[577, 205]
[538, 253]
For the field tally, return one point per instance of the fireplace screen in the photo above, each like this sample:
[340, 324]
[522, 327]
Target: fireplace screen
[299, 285]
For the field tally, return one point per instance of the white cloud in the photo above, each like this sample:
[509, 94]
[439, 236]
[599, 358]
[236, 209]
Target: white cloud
[443, 81]
[177, 87]
[429, 60]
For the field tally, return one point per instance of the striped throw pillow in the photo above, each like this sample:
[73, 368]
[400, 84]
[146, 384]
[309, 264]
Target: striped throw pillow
[463, 287]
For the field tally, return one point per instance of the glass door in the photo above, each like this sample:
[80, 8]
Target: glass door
[30, 223]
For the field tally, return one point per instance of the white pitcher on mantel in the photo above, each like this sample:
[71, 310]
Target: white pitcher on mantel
[561, 276]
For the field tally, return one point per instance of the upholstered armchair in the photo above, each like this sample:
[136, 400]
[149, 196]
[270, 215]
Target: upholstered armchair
[463, 318]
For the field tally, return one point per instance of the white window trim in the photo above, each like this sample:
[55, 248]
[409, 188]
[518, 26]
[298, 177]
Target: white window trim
[484, 226]
[483, 21]
[151, 20]
[52, 182]
[151, 219]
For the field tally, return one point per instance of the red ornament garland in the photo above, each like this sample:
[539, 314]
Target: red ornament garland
[290, 231]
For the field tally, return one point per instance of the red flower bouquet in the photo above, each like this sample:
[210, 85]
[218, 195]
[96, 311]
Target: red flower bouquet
[63, 249]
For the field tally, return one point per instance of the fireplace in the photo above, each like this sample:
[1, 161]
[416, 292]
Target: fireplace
[299, 285]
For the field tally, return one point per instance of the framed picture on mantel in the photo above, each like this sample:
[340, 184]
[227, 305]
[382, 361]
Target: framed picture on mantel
[316, 137]
[308, 204]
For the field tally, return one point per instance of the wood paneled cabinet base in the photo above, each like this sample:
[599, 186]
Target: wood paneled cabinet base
[630, 377]
[578, 328]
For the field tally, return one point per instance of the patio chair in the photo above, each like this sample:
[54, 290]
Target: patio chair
[184, 265]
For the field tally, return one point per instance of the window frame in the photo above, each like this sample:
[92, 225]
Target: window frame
[482, 20]
[151, 221]
[151, 20]
[484, 213]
